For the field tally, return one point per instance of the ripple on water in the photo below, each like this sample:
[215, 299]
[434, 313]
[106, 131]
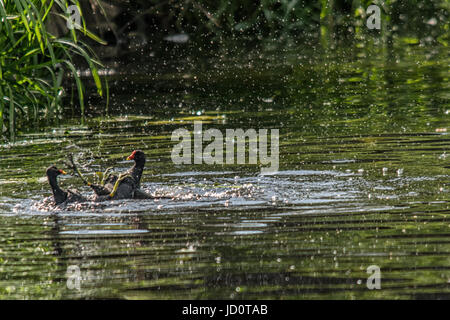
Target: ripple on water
[103, 232]
[300, 187]
[361, 182]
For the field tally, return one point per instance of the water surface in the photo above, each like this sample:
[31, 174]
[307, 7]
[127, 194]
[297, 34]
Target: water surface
[363, 180]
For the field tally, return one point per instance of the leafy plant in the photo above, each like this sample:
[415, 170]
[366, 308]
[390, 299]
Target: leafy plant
[34, 63]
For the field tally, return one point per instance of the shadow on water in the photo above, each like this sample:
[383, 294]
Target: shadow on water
[363, 180]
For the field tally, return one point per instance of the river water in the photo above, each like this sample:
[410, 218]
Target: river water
[363, 180]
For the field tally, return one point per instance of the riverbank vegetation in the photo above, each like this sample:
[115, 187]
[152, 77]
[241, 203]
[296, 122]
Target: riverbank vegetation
[34, 63]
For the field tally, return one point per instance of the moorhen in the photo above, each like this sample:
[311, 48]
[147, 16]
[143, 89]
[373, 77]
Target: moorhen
[128, 184]
[59, 195]
[139, 162]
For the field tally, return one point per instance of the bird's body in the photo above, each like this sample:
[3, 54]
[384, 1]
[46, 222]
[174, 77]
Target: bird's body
[61, 196]
[106, 188]
[127, 185]
[129, 182]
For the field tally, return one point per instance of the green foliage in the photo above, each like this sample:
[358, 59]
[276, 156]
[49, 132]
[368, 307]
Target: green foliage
[230, 17]
[33, 62]
[288, 17]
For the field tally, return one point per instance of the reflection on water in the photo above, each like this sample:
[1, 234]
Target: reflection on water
[363, 180]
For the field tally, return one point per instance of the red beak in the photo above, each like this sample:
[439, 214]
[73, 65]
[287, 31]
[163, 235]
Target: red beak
[62, 172]
[131, 157]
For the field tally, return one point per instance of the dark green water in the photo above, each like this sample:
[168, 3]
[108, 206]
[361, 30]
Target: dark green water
[363, 180]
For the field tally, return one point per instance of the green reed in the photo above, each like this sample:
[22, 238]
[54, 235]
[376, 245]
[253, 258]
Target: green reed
[34, 63]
